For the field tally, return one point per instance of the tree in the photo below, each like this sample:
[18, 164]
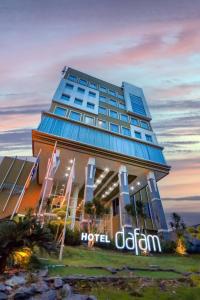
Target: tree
[139, 208]
[27, 233]
[177, 224]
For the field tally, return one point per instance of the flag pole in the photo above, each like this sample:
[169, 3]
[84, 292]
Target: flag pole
[68, 194]
[49, 165]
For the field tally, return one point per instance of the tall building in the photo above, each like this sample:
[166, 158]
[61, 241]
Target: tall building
[107, 130]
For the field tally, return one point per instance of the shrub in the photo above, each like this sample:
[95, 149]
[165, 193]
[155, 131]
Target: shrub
[72, 238]
[168, 246]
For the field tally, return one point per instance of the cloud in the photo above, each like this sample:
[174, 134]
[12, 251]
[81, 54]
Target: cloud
[23, 109]
[193, 104]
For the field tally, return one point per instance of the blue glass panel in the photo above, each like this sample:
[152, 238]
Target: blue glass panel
[60, 111]
[65, 97]
[148, 137]
[137, 105]
[144, 124]
[69, 86]
[102, 139]
[102, 110]
[126, 131]
[114, 127]
[138, 135]
[78, 101]
[124, 118]
[75, 116]
[80, 90]
[90, 105]
[134, 122]
[113, 114]
[72, 78]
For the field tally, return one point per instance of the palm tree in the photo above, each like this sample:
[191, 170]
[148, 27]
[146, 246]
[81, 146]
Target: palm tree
[177, 224]
[25, 233]
[139, 211]
[95, 209]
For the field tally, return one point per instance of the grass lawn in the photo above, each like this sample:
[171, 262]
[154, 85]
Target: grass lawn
[76, 261]
[81, 257]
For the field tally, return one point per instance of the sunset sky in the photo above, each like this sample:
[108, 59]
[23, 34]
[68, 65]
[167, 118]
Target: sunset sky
[151, 43]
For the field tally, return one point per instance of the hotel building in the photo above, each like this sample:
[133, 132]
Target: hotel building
[107, 130]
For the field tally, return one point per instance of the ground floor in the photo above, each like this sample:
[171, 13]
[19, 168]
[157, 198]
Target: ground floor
[127, 188]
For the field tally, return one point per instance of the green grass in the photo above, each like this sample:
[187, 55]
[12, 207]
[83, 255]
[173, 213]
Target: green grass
[148, 294]
[65, 271]
[81, 257]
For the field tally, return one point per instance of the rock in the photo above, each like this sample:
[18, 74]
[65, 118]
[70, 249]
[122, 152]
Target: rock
[58, 283]
[3, 296]
[40, 287]
[15, 280]
[2, 287]
[66, 290]
[50, 295]
[23, 293]
[43, 273]
[112, 270]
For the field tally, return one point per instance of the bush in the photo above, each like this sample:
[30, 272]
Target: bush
[72, 238]
[168, 246]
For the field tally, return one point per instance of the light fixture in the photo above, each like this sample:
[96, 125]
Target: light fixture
[103, 196]
[98, 181]
[115, 184]
[66, 174]
[71, 161]
[100, 122]
[68, 169]
[132, 188]
[106, 192]
[106, 170]
[102, 176]
[95, 186]
[110, 188]
[138, 183]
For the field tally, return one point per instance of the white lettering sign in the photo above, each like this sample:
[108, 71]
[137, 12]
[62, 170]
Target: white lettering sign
[134, 240]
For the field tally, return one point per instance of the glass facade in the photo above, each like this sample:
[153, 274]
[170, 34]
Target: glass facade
[137, 105]
[95, 137]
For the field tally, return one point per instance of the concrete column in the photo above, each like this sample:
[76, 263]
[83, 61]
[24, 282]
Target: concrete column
[73, 206]
[157, 208]
[124, 198]
[89, 181]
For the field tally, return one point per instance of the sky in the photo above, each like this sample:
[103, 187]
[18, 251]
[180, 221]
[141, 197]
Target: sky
[150, 43]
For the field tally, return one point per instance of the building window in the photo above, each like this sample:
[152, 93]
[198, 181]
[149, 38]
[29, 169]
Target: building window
[89, 120]
[92, 94]
[148, 138]
[134, 122]
[78, 101]
[114, 127]
[124, 118]
[122, 105]
[113, 114]
[80, 90]
[92, 85]
[72, 78]
[120, 97]
[102, 124]
[113, 102]
[60, 111]
[83, 81]
[69, 86]
[126, 131]
[103, 89]
[111, 92]
[102, 110]
[144, 125]
[75, 116]
[90, 105]
[137, 105]
[102, 98]
[138, 135]
[65, 97]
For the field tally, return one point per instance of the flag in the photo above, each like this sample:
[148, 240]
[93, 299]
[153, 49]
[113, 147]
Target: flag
[47, 185]
[69, 183]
